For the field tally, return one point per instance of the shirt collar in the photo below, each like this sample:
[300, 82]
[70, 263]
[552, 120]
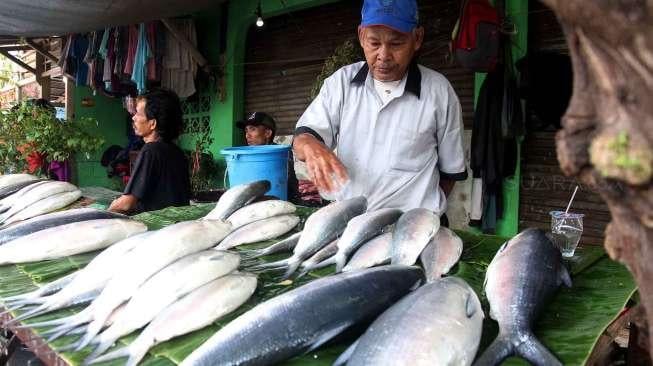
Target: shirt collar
[413, 82]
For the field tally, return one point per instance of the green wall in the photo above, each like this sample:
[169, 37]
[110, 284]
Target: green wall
[111, 126]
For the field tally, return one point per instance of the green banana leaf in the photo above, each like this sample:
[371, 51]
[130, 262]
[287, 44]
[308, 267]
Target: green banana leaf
[570, 326]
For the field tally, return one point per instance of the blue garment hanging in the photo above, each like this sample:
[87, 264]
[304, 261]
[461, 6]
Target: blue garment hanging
[143, 53]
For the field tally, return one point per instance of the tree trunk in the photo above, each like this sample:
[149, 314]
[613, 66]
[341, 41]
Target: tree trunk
[608, 128]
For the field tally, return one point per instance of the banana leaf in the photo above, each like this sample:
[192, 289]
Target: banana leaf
[570, 326]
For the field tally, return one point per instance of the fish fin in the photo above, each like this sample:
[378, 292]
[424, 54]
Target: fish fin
[535, 352]
[345, 356]
[498, 351]
[272, 265]
[327, 336]
[121, 352]
[417, 285]
[564, 276]
[470, 306]
[340, 263]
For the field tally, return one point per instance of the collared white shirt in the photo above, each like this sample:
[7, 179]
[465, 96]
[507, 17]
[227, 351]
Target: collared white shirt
[394, 151]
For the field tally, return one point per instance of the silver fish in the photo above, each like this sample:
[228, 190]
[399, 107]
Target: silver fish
[361, 229]
[158, 250]
[163, 289]
[9, 179]
[254, 232]
[237, 197]
[438, 324]
[375, 252]
[37, 193]
[67, 240]
[305, 318]
[321, 228]
[259, 211]
[47, 221]
[414, 230]
[8, 190]
[322, 258]
[526, 271]
[442, 253]
[91, 278]
[196, 310]
[284, 245]
[48, 204]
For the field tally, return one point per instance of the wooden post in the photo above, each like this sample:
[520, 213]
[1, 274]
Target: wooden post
[44, 82]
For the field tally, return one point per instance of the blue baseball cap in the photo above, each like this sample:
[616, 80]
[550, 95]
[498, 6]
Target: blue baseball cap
[399, 15]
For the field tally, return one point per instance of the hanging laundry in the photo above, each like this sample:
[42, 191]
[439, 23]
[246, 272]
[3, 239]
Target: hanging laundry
[143, 53]
[179, 67]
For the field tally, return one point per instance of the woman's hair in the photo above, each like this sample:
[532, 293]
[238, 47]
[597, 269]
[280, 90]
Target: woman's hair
[164, 106]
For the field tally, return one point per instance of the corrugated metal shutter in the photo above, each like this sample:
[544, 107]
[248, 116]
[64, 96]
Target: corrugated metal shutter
[284, 57]
[544, 188]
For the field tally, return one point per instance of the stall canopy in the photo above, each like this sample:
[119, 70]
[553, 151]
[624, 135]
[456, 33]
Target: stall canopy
[43, 18]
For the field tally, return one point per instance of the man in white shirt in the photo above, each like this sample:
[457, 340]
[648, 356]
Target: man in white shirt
[396, 125]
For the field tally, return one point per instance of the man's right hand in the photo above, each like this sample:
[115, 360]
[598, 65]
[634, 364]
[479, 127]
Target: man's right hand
[323, 166]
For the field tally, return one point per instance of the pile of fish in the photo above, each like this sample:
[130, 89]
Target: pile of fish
[185, 276]
[23, 196]
[344, 233]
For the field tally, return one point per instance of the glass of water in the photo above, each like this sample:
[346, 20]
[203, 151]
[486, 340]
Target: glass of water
[566, 229]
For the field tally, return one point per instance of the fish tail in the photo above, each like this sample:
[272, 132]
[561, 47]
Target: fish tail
[272, 265]
[121, 352]
[532, 350]
[103, 345]
[498, 351]
[39, 310]
[293, 264]
[91, 331]
[138, 349]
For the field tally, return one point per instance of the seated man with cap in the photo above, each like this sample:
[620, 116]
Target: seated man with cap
[260, 129]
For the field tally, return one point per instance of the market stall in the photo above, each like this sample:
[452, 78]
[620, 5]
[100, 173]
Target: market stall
[569, 327]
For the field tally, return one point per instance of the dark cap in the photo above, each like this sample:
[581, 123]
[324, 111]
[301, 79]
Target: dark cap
[258, 119]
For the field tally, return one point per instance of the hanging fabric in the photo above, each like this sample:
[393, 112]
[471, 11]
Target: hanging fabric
[143, 53]
[179, 67]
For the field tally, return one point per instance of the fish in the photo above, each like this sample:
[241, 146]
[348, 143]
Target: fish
[50, 220]
[525, 273]
[66, 240]
[257, 231]
[413, 231]
[164, 288]
[361, 229]
[7, 202]
[45, 290]
[375, 252]
[196, 310]
[321, 228]
[306, 317]
[158, 250]
[237, 197]
[8, 190]
[440, 323]
[284, 245]
[91, 279]
[37, 193]
[442, 253]
[10, 179]
[259, 211]
[48, 204]
[322, 258]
